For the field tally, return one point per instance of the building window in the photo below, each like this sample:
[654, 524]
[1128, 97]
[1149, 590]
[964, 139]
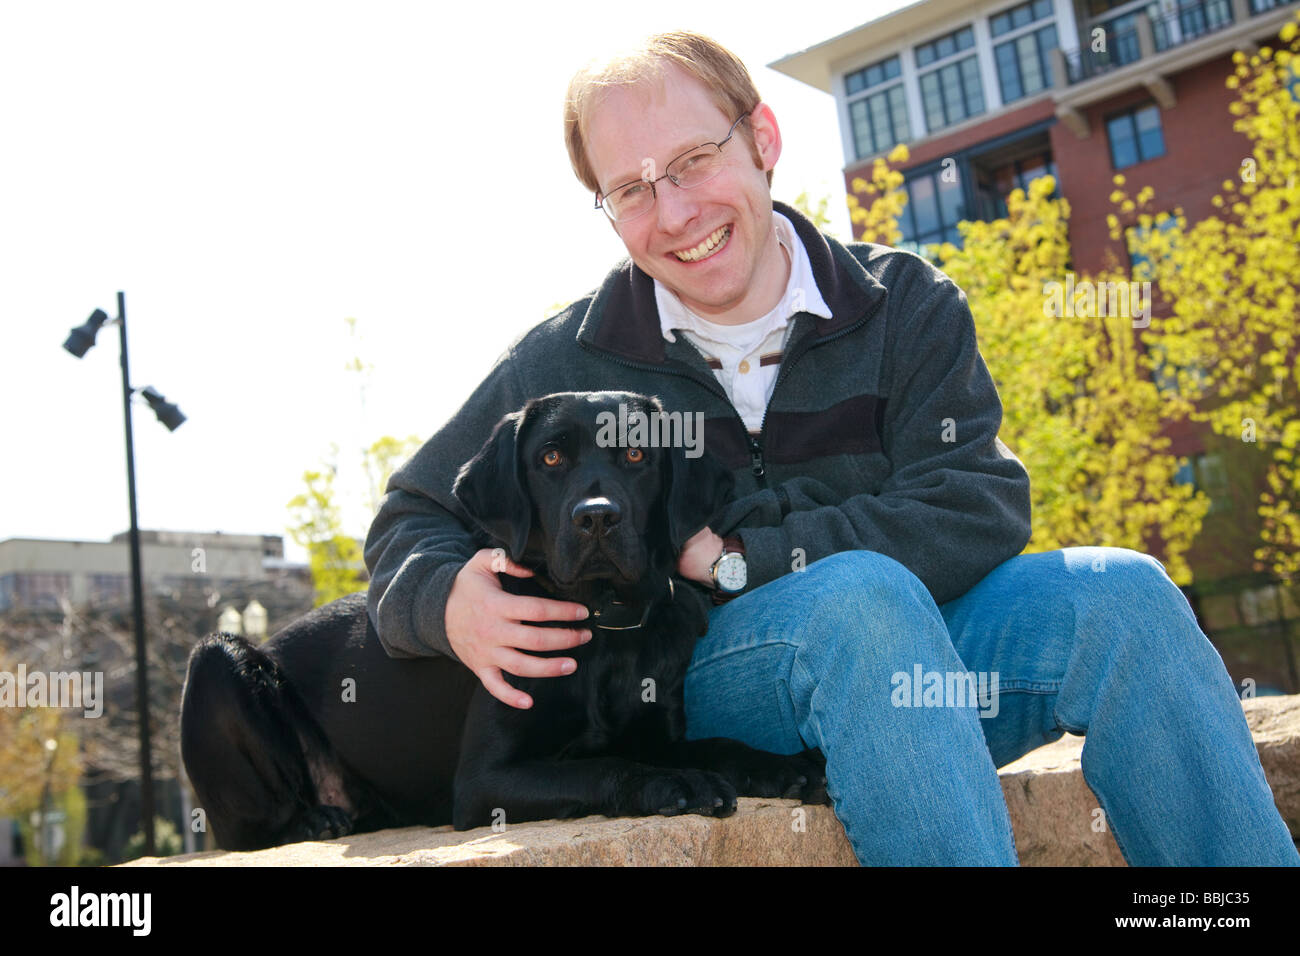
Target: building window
[869, 76]
[1020, 16]
[1022, 60]
[878, 118]
[994, 183]
[935, 205]
[1164, 374]
[1135, 136]
[108, 589]
[1206, 474]
[945, 46]
[1122, 39]
[1023, 64]
[39, 590]
[952, 92]
[1193, 20]
[1138, 264]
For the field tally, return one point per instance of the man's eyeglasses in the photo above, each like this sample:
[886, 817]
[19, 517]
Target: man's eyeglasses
[693, 168]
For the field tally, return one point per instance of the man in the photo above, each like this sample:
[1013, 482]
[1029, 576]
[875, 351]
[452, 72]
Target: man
[870, 554]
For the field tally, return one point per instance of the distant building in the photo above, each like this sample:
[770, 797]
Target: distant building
[36, 573]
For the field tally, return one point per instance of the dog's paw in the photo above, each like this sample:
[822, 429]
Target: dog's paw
[799, 776]
[323, 823]
[672, 792]
[815, 790]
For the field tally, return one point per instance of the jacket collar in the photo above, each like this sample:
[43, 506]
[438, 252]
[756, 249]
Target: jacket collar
[628, 296]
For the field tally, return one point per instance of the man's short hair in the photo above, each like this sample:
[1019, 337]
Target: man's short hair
[720, 70]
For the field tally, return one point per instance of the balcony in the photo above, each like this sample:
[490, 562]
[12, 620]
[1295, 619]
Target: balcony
[1142, 49]
[1143, 37]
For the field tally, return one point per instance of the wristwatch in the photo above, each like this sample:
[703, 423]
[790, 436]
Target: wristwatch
[730, 573]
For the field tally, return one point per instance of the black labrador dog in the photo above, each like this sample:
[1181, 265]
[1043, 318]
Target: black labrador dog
[319, 733]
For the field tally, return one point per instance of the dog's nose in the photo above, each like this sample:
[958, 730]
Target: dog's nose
[594, 517]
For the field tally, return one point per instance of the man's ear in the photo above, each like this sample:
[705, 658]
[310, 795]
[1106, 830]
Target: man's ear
[490, 487]
[766, 136]
[698, 488]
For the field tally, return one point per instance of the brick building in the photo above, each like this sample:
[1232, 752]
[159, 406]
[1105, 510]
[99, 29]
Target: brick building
[989, 96]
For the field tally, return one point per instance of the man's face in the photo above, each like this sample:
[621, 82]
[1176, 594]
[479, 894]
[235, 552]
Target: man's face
[640, 130]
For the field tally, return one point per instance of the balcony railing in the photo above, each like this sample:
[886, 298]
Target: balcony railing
[1190, 23]
[1150, 35]
[1120, 49]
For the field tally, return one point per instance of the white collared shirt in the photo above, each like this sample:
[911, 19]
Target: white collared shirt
[746, 358]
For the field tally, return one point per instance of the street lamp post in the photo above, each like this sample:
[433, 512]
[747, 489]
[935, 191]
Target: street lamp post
[78, 343]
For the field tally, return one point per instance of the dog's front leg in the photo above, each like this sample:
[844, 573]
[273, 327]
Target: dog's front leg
[754, 773]
[545, 789]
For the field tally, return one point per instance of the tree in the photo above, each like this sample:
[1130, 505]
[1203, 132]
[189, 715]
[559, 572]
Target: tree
[40, 753]
[335, 558]
[820, 218]
[381, 459]
[1077, 409]
[877, 219]
[1230, 283]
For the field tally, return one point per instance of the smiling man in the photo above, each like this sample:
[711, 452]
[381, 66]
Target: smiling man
[713, 245]
[878, 520]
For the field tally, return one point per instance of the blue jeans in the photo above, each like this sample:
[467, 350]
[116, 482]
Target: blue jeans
[852, 655]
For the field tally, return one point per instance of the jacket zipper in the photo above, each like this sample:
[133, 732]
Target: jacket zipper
[757, 465]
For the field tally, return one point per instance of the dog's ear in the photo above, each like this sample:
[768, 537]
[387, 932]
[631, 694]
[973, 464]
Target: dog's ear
[697, 490]
[490, 487]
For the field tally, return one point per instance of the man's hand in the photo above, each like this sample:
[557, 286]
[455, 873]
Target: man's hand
[698, 555]
[484, 629]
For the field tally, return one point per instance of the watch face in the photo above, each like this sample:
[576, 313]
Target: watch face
[732, 573]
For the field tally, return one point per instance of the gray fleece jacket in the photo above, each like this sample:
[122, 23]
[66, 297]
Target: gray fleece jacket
[880, 435]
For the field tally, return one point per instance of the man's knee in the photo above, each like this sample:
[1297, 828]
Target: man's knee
[1120, 579]
[861, 610]
[1126, 596]
[856, 579]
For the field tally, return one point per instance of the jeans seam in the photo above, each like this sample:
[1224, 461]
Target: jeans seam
[807, 677]
[728, 652]
[1043, 688]
[1110, 823]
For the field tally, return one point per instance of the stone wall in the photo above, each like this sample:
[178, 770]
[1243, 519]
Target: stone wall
[1055, 816]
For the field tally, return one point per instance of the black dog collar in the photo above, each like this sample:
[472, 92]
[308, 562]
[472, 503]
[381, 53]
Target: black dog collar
[609, 613]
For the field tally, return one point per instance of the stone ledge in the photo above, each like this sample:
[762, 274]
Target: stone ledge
[1052, 812]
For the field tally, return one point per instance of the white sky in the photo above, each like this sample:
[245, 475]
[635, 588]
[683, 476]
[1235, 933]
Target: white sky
[252, 174]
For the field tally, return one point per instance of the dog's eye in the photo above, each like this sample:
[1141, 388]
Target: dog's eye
[552, 457]
[634, 455]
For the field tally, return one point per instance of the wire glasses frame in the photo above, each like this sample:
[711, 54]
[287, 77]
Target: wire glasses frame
[704, 162]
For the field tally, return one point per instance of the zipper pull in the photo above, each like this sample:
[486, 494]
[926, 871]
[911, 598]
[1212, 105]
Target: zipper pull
[756, 458]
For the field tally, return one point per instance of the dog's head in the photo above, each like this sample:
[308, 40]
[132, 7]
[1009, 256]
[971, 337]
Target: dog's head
[570, 485]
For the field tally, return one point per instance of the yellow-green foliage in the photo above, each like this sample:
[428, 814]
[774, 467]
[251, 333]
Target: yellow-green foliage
[817, 214]
[335, 558]
[876, 203]
[1231, 281]
[28, 764]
